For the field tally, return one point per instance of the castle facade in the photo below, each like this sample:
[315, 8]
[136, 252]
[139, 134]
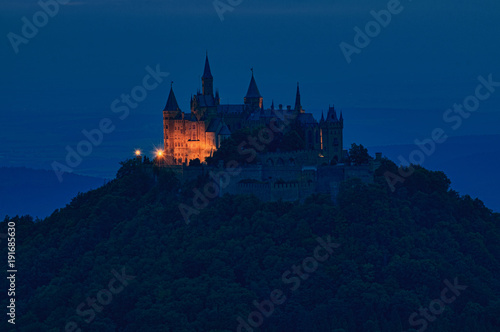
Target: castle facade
[198, 134]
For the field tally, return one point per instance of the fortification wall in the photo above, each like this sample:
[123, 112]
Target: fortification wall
[265, 181]
[285, 192]
[286, 173]
[300, 157]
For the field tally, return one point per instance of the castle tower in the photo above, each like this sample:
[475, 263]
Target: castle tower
[332, 136]
[253, 100]
[207, 80]
[171, 113]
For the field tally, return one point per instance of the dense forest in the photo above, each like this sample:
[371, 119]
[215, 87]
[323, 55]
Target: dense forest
[122, 258]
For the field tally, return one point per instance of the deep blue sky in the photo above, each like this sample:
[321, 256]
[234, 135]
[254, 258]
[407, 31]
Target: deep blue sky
[396, 90]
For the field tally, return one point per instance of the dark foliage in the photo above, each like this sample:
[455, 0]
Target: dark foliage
[396, 250]
[358, 155]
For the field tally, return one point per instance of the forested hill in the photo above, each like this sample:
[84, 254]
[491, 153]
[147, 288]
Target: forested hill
[122, 258]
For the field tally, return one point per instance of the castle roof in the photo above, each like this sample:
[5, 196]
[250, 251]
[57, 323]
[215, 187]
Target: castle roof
[253, 90]
[224, 131]
[332, 115]
[205, 100]
[262, 114]
[230, 109]
[214, 125]
[190, 117]
[171, 102]
[207, 73]
[306, 119]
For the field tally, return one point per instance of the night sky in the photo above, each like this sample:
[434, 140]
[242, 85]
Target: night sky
[394, 90]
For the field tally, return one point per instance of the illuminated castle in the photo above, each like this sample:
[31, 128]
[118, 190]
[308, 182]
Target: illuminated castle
[198, 134]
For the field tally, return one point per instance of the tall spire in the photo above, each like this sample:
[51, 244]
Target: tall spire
[172, 101]
[322, 117]
[298, 106]
[207, 73]
[207, 80]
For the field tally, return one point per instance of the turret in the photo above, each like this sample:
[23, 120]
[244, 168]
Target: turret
[332, 115]
[172, 107]
[217, 98]
[253, 99]
[332, 136]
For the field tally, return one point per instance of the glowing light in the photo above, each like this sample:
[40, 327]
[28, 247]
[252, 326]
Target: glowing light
[159, 153]
[137, 153]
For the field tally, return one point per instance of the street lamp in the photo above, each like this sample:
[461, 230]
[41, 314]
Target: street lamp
[159, 157]
[138, 156]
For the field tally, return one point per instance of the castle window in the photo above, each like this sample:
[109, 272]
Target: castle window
[336, 141]
[166, 126]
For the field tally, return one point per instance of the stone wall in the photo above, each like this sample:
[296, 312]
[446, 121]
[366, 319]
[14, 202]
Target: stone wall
[272, 183]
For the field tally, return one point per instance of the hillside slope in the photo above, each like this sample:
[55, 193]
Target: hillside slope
[121, 258]
[471, 162]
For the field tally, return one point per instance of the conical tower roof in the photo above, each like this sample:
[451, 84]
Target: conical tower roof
[172, 104]
[253, 90]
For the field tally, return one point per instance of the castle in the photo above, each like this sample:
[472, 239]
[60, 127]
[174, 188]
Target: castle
[318, 167]
[198, 134]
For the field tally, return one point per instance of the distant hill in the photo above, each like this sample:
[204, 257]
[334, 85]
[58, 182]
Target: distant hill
[471, 163]
[38, 192]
